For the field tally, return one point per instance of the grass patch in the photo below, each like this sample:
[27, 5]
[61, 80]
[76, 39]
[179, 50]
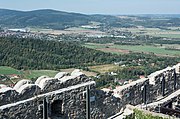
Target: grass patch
[29, 74]
[8, 70]
[148, 49]
[37, 73]
[143, 115]
[167, 35]
[103, 68]
[34, 74]
[159, 50]
[170, 33]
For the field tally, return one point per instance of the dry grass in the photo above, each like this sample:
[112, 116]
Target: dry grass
[103, 68]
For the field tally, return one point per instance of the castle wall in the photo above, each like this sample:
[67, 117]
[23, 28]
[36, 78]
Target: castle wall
[72, 106]
[133, 93]
[66, 96]
[12, 95]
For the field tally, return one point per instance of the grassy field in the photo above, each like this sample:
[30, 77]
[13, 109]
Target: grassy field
[37, 73]
[33, 74]
[8, 70]
[167, 35]
[159, 50]
[171, 33]
[29, 74]
[4, 70]
[105, 48]
[149, 49]
[103, 68]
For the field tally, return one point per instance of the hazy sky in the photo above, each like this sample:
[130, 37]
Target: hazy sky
[98, 6]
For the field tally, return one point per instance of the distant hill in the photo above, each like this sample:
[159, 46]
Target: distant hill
[47, 18]
[159, 15]
[42, 18]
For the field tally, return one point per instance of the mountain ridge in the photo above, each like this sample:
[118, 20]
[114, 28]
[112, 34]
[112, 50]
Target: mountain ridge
[60, 20]
[46, 18]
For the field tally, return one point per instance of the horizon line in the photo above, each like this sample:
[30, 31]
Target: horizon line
[20, 10]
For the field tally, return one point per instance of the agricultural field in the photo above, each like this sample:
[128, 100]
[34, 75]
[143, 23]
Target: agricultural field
[8, 71]
[156, 49]
[167, 35]
[28, 74]
[106, 48]
[170, 33]
[103, 68]
[33, 74]
[37, 73]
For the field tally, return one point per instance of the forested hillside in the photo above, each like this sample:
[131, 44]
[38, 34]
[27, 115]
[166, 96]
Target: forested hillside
[44, 54]
[52, 19]
[41, 18]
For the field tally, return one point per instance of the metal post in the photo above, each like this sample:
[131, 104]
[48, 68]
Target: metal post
[45, 108]
[175, 80]
[88, 102]
[163, 86]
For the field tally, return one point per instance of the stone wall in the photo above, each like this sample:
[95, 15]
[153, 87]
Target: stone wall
[46, 84]
[66, 95]
[134, 92]
[104, 105]
[72, 104]
[156, 80]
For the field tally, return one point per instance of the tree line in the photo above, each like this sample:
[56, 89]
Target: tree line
[45, 54]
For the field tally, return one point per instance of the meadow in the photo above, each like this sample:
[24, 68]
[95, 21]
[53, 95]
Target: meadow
[155, 49]
[4, 70]
[157, 32]
[37, 73]
[34, 74]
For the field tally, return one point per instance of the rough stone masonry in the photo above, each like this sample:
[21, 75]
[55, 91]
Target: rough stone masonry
[65, 95]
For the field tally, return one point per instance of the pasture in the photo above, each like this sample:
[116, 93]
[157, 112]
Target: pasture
[8, 71]
[157, 32]
[37, 73]
[119, 49]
